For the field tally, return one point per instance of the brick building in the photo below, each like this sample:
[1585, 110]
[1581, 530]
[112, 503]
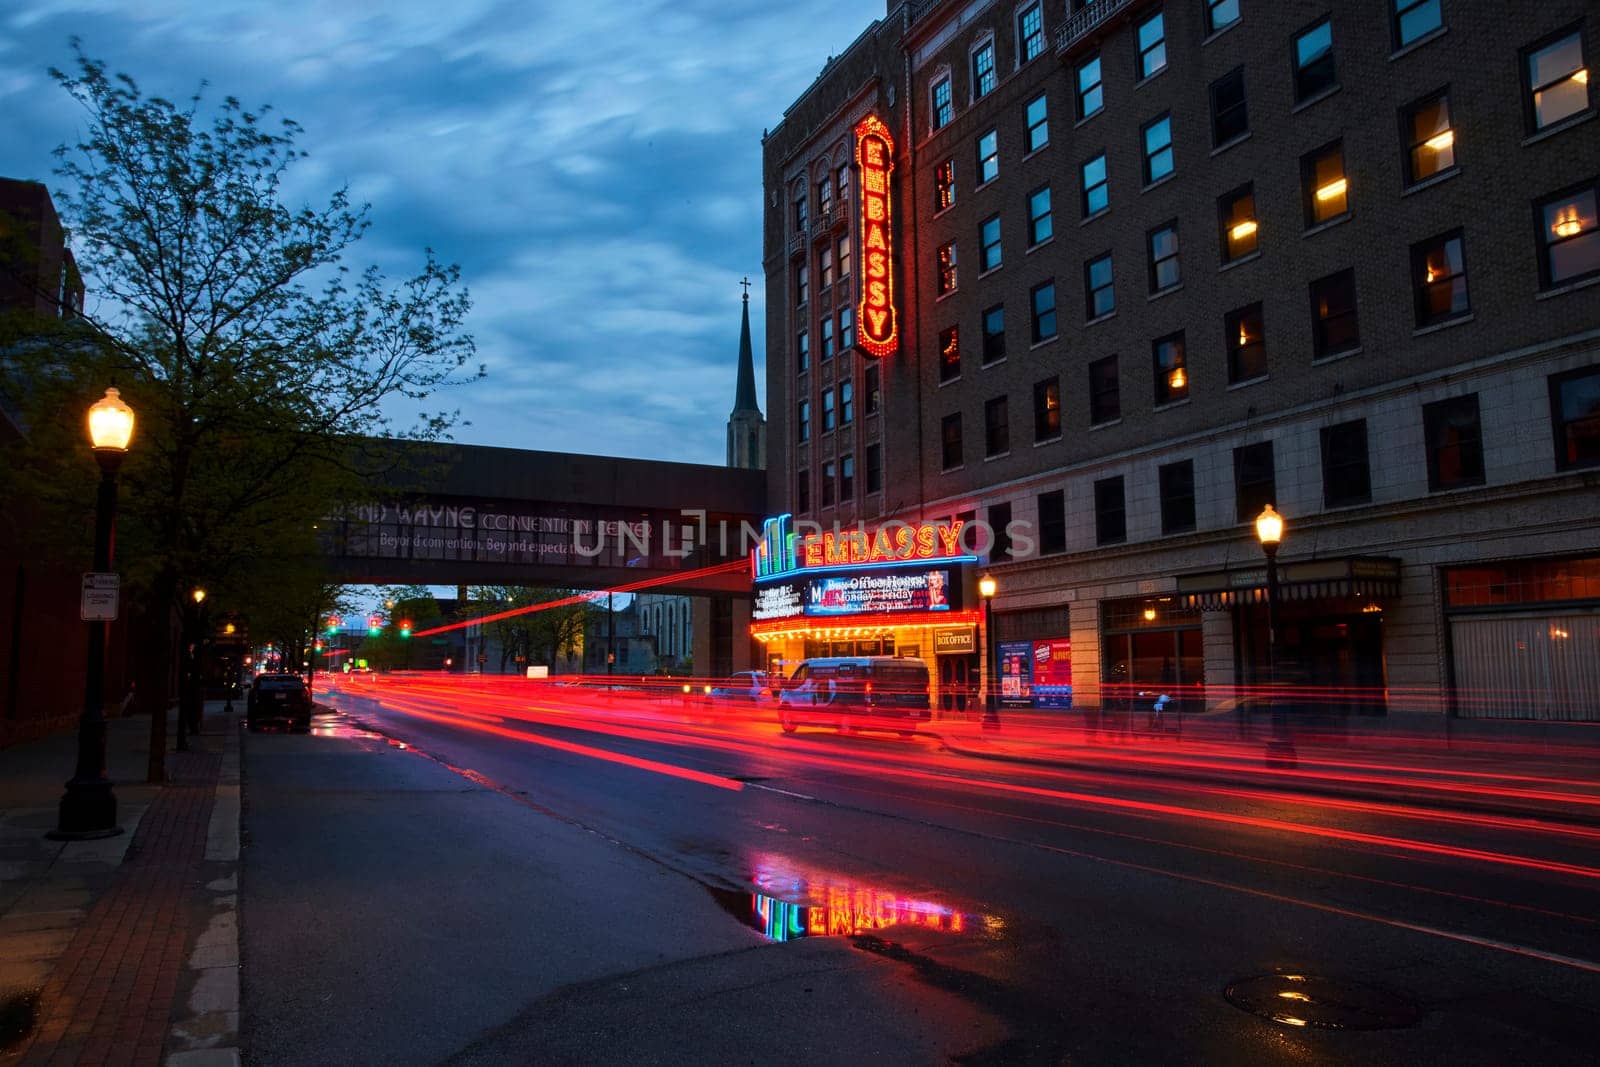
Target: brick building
[1158, 265]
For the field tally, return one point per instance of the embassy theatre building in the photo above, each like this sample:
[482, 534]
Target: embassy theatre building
[1102, 281]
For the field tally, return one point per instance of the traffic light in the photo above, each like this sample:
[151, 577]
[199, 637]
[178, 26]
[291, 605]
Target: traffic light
[333, 624]
[405, 627]
[374, 625]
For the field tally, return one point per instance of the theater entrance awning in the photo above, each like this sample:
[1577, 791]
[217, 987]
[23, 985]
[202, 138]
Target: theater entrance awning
[1374, 577]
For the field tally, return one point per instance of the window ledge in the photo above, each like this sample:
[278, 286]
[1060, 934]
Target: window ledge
[992, 363]
[1432, 180]
[1047, 441]
[1561, 127]
[1090, 117]
[1459, 320]
[997, 455]
[1336, 357]
[1570, 287]
[1248, 382]
[992, 270]
[1098, 319]
[1104, 425]
[952, 291]
[1034, 152]
[1248, 257]
[942, 212]
[1427, 38]
[985, 185]
[1225, 145]
[1168, 291]
[1214, 34]
[1164, 179]
[1169, 405]
[1034, 248]
[1102, 213]
[1152, 76]
[1315, 98]
[949, 381]
[1052, 339]
[1330, 224]
[952, 470]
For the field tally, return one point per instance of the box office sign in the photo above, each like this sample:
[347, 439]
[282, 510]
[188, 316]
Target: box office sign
[779, 602]
[952, 640]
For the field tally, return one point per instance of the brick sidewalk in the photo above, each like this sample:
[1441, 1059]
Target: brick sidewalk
[110, 998]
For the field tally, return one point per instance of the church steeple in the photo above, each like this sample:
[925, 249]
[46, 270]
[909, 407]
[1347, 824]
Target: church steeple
[747, 428]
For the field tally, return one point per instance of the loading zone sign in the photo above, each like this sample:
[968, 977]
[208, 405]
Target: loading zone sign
[99, 603]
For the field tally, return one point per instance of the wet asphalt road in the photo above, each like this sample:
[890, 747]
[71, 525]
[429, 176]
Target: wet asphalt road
[504, 892]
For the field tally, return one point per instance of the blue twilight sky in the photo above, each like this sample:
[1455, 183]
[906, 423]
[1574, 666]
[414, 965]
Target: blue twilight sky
[594, 168]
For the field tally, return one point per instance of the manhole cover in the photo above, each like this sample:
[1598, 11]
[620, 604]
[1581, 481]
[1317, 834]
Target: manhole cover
[1327, 1003]
[18, 1015]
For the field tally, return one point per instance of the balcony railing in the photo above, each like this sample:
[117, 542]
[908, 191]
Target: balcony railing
[1083, 22]
[797, 240]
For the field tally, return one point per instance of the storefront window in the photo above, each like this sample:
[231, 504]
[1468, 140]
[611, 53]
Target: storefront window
[1528, 581]
[1151, 643]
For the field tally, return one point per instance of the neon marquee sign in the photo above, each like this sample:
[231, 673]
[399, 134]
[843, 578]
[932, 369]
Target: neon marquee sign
[783, 551]
[876, 333]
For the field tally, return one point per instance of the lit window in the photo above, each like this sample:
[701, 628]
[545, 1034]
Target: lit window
[950, 441]
[944, 185]
[1246, 337]
[1091, 93]
[1334, 326]
[827, 339]
[1229, 118]
[828, 411]
[1413, 19]
[825, 267]
[1569, 239]
[947, 268]
[844, 256]
[1030, 32]
[844, 186]
[1038, 123]
[983, 71]
[1039, 227]
[941, 102]
[1575, 417]
[989, 244]
[1158, 149]
[1099, 295]
[988, 157]
[1105, 398]
[847, 328]
[1326, 191]
[1237, 213]
[1164, 258]
[1096, 195]
[1152, 36]
[1439, 278]
[802, 284]
[1171, 373]
[1046, 409]
[1044, 311]
[847, 402]
[1221, 14]
[1431, 147]
[1557, 79]
[949, 354]
[1313, 62]
[994, 334]
[996, 427]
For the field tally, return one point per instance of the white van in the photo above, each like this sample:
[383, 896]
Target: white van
[856, 692]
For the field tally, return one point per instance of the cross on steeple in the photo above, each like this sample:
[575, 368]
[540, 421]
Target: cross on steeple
[746, 283]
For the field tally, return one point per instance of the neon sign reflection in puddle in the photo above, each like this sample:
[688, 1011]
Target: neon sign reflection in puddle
[837, 908]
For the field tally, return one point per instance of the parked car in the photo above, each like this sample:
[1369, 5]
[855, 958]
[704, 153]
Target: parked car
[856, 692]
[278, 698]
[741, 685]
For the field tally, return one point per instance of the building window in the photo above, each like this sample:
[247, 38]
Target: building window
[989, 244]
[1110, 512]
[844, 257]
[1557, 79]
[1052, 522]
[802, 216]
[950, 439]
[1455, 442]
[874, 468]
[1091, 93]
[996, 427]
[1039, 228]
[1158, 149]
[949, 354]
[1044, 311]
[1171, 373]
[1047, 409]
[983, 70]
[941, 102]
[873, 388]
[1255, 483]
[1152, 36]
[1163, 243]
[1414, 19]
[802, 421]
[827, 339]
[988, 157]
[1313, 62]
[1569, 240]
[1029, 32]
[847, 478]
[1177, 496]
[1037, 119]
[847, 402]
[844, 185]
[825, 266]
[1346, 474]
[1575, 417]
[828, 410]
[802, 285]
[847, 328]
[1247, 344]
[1236, 211]
[828, 485]
[944, 185]
[1322, 178]
[1220, 14]
[1229, 117]
[802, 491]
[1105, 397]
[1430, 138]
[947, 268]
[1096, 197]
[999, 519]
[994, 334]
[824, 198]
[802, 352]
[1439, 279]
[1099, 295]
[1334, 328]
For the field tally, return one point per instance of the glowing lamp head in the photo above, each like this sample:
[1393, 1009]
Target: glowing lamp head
[199, 595]
[1567, 224]
[1269, 527]
[1581, 75]
[1177, 379]
[1241, 230]
[229, 628]
[1149, 614]
[987, 587]
[1441, 140]
[110, 423]
[1332, 190]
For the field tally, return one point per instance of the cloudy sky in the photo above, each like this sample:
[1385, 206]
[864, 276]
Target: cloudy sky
[594, 168]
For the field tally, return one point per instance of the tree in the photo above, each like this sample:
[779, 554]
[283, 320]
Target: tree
[252, 354]
[540, 636]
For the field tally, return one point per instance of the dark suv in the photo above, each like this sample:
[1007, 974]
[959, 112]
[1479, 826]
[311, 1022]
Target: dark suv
[278, 698]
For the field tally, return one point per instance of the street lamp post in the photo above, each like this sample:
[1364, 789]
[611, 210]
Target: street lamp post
[89, 806]
[991, 701]
[1269, 531]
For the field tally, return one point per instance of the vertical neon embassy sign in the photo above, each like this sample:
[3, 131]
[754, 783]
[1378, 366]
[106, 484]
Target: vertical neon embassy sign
[876, 332]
